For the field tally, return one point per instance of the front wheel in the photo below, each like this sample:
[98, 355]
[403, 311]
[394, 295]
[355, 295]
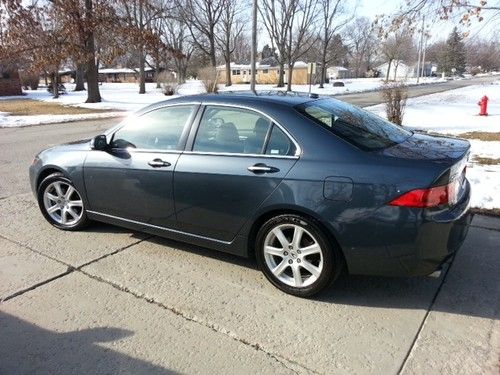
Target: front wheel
[296, 256]
[61, 203]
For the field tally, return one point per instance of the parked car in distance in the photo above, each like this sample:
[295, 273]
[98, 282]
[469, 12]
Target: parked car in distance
[310, 186]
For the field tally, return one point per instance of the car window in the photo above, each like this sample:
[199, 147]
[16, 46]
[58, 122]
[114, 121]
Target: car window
[279, 143]
[160, 129]
[231, 130]
[355, 125]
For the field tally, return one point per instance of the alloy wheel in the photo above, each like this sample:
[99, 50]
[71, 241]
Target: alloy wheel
[63, 203]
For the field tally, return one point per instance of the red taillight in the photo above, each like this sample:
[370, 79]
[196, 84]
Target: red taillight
[431, 197]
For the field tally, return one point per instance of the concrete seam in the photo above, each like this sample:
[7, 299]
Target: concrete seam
[282, 360]
[424, 320]
[35, 286]
[487, 228]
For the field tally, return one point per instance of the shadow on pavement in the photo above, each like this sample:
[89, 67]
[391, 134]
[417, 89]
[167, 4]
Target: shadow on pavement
[27, 348]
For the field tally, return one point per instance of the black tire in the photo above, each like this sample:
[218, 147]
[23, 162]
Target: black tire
[332, 260]
[81, 223]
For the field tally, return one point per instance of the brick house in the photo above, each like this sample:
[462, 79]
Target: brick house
[10, 83]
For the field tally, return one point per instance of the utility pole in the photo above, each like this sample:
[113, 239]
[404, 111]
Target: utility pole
[253, 55]
[420, 48]
[423, 56]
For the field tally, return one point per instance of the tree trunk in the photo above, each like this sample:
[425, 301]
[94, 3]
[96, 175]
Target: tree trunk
[93, 94]
[228, 72]
[142, 75]
[323, 70]
[290, 74]
[55, 85]
[79, 78]
[395, 70]
[157, 70]
[213, 59]
[388, 71]
[281, 68]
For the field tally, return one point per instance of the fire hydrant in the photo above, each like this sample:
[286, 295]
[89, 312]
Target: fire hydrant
[483, 106]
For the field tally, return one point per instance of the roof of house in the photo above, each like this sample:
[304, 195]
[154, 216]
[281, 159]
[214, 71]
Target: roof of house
[121, 70]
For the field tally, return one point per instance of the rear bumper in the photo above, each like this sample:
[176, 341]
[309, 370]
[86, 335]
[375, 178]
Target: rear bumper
[419, 247]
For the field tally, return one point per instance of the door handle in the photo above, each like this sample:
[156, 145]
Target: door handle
[262, 168]
[158, 163]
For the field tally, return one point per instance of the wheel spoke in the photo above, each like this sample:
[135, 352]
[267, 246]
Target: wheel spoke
[309, 250]
[70, 191]
[278, 270]
[297, 237]
[315, 271]
[75, 203]
[72, 213]
[53, 209]
[63, 216]
[297, 277]
[281, 237]
[274, 251]
[57, 186]
[52, 197]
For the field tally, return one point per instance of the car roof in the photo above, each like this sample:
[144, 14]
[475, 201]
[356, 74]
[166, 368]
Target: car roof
[245, 97]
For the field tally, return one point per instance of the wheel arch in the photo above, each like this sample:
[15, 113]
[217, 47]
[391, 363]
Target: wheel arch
[47, 171]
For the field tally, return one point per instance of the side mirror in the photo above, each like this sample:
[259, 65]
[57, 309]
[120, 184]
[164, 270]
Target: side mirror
[100, 143]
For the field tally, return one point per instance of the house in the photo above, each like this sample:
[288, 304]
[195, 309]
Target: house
[265, 74]
[10, 84]
[398, 70]
[124, 75]
[338, 72]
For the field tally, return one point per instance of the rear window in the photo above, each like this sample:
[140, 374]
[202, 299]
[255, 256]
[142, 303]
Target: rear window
[355, 125]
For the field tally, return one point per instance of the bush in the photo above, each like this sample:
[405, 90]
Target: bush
[208, 76]
[30, 80]
[395, 95]
[168, 83]
[338, 84]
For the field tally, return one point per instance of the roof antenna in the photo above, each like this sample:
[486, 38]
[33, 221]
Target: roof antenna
[313, 96]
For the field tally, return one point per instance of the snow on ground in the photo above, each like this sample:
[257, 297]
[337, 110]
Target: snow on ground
[456, 112]
[19, 121]
[452, 112]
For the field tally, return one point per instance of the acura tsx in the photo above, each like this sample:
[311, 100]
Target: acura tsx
[309, 186]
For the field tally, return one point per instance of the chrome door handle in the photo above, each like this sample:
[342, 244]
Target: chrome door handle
[262, 168]
[158, 163]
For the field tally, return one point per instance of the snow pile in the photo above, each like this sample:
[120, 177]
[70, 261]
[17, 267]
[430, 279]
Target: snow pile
[19, 121]
[456, 112]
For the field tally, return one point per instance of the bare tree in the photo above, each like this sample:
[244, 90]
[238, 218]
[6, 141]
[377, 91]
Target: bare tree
[331, 21]
[229, 29]
[290, 26]
[202, 17]
[361, 41]
[396, 47]
[180, 46]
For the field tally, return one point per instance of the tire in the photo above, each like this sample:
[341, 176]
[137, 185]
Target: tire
[69, 210]
[292, 259]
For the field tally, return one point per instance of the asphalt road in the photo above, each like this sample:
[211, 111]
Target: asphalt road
[107, 300]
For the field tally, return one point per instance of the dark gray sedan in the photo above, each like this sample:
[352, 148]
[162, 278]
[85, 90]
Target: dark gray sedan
[311, 186]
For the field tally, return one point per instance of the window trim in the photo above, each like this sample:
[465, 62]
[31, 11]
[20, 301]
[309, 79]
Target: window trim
[182, 140]
[197, 121]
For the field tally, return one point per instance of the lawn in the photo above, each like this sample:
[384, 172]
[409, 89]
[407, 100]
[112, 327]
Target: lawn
[29, 107]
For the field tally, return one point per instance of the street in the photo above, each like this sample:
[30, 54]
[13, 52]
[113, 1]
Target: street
[108, 300]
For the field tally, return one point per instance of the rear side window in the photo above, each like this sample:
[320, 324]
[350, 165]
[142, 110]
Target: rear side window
[355, 125]
[160, 129]
[279, 143]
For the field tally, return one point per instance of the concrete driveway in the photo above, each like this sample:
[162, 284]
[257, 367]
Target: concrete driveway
[107, 300]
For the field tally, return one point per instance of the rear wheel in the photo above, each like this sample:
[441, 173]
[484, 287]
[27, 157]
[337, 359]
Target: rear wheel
[61, 203]
[295, 255]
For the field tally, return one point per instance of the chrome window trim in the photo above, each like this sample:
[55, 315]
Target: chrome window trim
[298, 149]
[158, 227]
[241, 155]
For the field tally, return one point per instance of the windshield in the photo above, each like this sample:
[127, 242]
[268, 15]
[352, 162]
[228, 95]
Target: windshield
[355, 125]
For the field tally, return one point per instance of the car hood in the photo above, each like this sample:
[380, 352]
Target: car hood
[426, 147]
[80, 145]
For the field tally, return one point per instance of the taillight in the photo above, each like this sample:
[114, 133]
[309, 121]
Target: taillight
[431, 197]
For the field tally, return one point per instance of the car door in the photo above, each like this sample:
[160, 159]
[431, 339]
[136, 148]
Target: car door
[235, 159]
[133, 178]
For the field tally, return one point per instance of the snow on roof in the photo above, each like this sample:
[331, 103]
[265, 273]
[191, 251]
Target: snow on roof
[121, 70]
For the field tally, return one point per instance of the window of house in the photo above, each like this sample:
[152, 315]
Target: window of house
[160, 129]
[265, 71]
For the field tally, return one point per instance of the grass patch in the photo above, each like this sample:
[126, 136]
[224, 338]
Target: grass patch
[483, 136]
[28, 107]
[486, 211]
[485, 161]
